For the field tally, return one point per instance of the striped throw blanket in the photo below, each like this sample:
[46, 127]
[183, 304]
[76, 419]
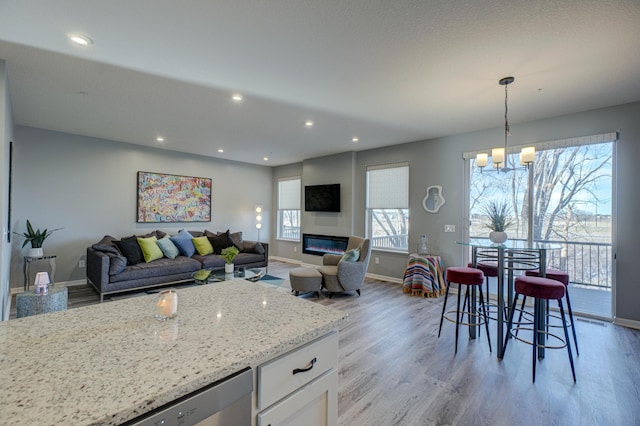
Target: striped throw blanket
[424, 276]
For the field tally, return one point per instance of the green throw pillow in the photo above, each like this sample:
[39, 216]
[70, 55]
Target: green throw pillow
[350, 255]
[150, 249]
[202, 245]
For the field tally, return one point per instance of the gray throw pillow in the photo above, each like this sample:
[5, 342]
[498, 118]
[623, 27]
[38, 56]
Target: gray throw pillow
[116, 263]
[106, 245]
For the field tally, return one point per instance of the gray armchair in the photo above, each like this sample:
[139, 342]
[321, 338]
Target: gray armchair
[346, 276]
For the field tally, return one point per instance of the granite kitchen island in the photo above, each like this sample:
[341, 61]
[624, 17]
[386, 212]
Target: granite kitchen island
[109, 363]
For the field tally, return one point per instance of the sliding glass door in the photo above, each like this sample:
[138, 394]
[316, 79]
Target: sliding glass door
[572, 199]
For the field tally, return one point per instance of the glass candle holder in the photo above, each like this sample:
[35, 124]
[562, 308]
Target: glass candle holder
[167, 305]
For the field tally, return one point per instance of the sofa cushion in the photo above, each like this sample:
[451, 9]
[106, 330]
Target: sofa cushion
[252, 247]
[150, 249]
[168, 248]
[106, 245]
[202, 245]
[130, 249]
[220, 242]
[246, 258]
[350, 255]
[236, 239]
[211, 261]
[184, 243]
[117, 263]
[157, 268]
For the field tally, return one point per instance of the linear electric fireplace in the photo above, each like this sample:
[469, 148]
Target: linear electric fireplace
[321, 244]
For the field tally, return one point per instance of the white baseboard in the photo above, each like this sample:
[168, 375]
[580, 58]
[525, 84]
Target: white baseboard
[285, 260]
[384, 278]
[16, 290]
[627, 323]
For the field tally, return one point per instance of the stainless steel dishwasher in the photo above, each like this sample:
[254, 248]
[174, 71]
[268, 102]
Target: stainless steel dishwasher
[225, 402]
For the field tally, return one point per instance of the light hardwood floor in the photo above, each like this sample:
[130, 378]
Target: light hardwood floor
[393, 370]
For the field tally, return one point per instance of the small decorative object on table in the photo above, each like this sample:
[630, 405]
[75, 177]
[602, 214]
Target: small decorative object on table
[41, 283]
[423, 246]
[167, 305]
[499, 220]
[228, 254]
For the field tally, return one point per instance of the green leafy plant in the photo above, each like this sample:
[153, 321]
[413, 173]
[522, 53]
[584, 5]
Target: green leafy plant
[229, 253]
[499, 214]
[37, 237]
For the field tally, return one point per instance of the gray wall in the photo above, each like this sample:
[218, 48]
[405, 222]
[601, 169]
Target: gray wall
[318, 171]
[88, 186]
[6, 135]
[439, 162]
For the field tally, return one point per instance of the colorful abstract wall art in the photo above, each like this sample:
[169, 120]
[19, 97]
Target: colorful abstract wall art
[172, 198]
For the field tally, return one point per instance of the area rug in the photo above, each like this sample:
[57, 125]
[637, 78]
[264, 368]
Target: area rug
[279, 283]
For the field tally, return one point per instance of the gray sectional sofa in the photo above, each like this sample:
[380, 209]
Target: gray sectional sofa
[109, 271]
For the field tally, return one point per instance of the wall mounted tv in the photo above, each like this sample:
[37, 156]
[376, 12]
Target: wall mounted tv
[322, 198]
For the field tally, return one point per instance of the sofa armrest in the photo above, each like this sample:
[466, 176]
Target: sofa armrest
[97, 268]
[329, 259]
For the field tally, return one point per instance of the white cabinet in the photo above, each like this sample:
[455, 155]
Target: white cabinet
[301, 386]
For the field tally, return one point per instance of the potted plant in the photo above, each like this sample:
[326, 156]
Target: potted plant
[228, 254]
[499, 215]
[36, 238]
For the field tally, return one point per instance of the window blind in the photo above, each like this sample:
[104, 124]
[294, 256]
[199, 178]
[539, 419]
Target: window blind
[289, 194]
[388, 186]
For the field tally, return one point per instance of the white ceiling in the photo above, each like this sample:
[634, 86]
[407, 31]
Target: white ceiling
[386, 71]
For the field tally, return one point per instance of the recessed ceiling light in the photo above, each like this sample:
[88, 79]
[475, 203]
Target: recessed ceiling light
[221, 150]
[308, 123]
[237, 97]
[80, 39]
[354, 139]
[265, 158]
[159, 139]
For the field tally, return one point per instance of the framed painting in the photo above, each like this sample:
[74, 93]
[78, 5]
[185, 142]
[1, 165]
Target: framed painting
[173, 198]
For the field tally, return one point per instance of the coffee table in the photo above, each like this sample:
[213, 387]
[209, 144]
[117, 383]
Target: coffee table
[207, 276]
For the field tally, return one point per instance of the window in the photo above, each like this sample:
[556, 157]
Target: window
[387, 210]
[289, 209]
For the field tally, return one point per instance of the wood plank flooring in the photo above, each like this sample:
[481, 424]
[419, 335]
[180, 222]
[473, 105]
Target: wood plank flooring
[393, 370]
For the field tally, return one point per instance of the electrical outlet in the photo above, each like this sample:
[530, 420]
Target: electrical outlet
[81, 264]
[377, 260]
[449, 228]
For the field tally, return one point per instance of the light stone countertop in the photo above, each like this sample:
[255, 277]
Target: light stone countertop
[108, 363]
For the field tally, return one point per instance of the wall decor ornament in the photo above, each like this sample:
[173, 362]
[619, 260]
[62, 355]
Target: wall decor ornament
[173, 198]
[434, 199]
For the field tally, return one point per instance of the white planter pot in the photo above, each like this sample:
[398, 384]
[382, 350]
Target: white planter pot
[498, 237]
[35, 252]
[228, 268]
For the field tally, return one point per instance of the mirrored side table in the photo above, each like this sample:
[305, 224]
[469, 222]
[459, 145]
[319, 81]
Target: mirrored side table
[33, 265]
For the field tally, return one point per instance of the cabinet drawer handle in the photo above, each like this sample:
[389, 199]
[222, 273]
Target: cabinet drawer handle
[302, 370]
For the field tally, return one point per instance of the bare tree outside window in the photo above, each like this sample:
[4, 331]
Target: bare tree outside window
[572, 205]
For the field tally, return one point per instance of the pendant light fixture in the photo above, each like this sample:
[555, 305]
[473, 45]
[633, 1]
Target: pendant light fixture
[499, 155]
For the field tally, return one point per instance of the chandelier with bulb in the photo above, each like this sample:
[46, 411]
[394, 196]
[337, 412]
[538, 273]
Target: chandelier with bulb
[499, 155]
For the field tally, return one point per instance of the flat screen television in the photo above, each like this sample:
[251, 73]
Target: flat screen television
[322, 198]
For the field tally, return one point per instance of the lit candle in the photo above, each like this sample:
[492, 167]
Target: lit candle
[167, 305]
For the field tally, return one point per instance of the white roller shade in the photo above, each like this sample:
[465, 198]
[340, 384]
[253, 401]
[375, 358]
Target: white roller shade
[388, 186]
[289, 194]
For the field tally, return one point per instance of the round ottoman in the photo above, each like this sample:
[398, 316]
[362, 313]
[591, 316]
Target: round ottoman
[305, 280]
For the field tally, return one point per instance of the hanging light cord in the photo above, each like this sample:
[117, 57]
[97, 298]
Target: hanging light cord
[506, 122]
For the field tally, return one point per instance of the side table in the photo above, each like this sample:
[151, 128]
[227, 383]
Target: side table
[424, 276]
[29, 303]
[32, 265]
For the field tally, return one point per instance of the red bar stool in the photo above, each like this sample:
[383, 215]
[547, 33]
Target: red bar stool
[542, 290]
[467, 277]
[489, 269]
[563, 277]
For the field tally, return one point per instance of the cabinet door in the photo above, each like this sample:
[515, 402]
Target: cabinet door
[315, 404]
